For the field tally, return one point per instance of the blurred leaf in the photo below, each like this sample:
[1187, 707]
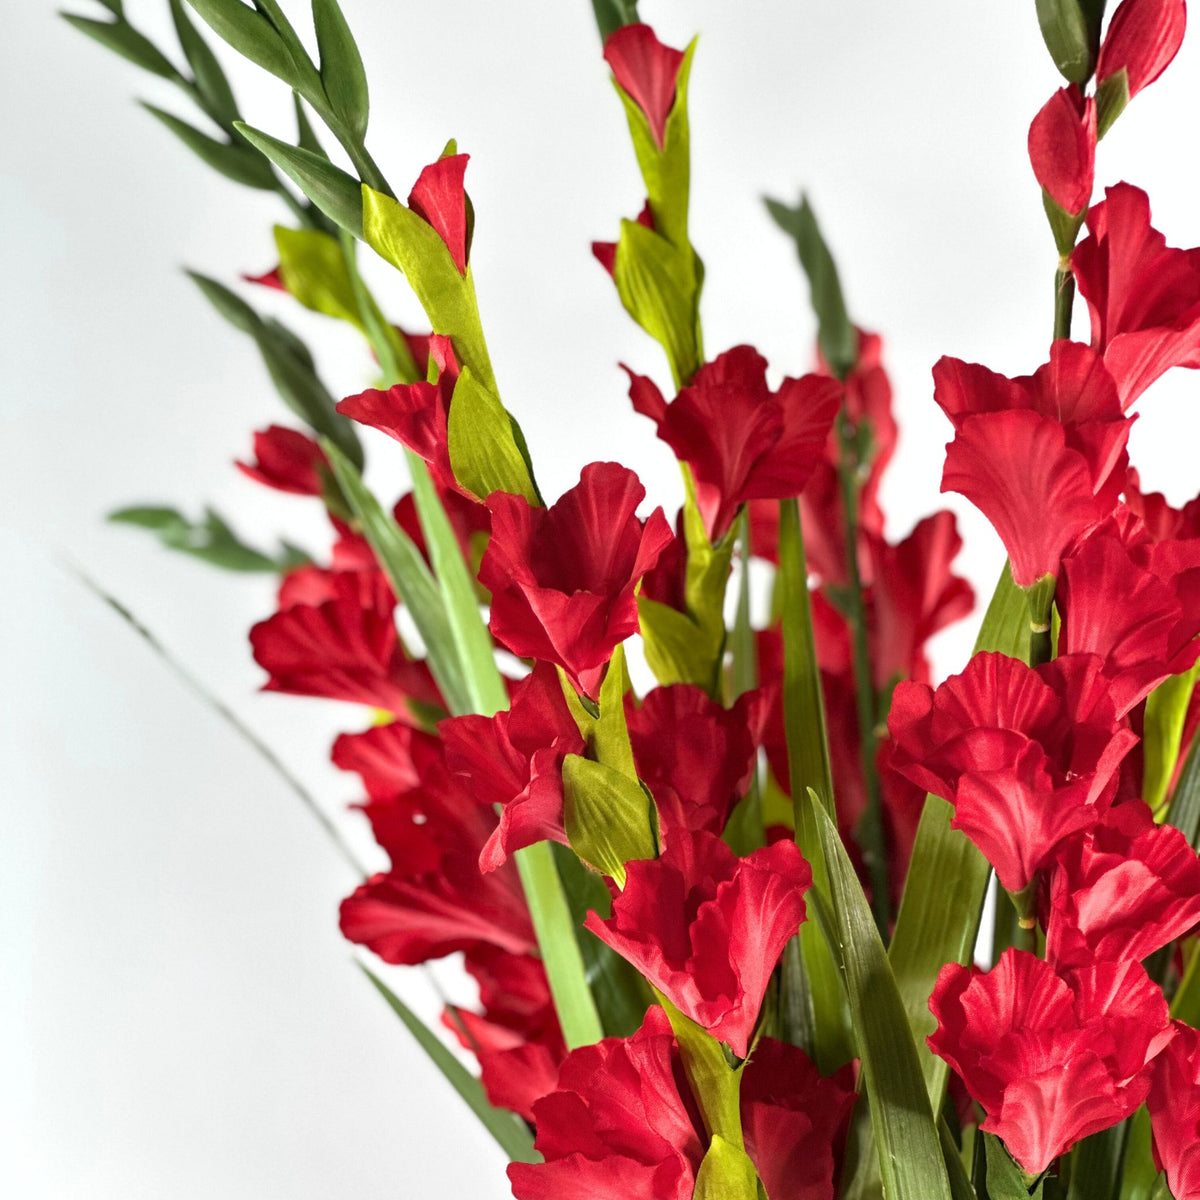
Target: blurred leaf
[612, 14]
[906, 1139]
[939, 915]
[331, 189]
[607, 816]
[313, 269]
[507, 1128]
[342, 72]
[234, 160]
[211, 83]
[1166, 710]
[837, 336]
[211, 539]
[124, 40]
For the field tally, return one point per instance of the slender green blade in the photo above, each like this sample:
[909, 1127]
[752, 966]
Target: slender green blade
[507, 1128]
[124, 40]
[1184, 812]
[342, 72]
[1166, 710]
[234, 160]
[211, 83]
[252, 36]
[1096, 1164]
[905, 1134]
[939, 914]
[961, 1187]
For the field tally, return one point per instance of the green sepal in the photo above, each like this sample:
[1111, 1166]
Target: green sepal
[211, 540]
[726, 1173]
[486, 446]
[608, 816]
[1166, 710]
[290, 366]
[666, 171]
[1064, 226]
[605, 731]
[510, 1132]
[836, 336]
[1071, 31]
[342, 73]
[612, 14]
[659, 284]
[123, 39]
[905, 1135]
[313, 269]
[1111, 98]
[331, 189]
[1005, 1179]
[253, 37]
[234, 160]
[212, 86]
[714, 1074]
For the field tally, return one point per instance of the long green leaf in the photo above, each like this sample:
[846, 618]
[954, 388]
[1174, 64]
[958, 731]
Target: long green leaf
[1162, 729]
[961, 1187]
[337, 194]
[1096, 1164]
[905, 1134]
[124, 40]
[342, 72]
[1071, 31]
[612, 14]
[1184, 812]
[253, 37]
[507, 1128]
[234, 160]
[939, 914]
[211, 82]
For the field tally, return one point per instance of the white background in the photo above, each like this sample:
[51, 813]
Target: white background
[178, 1014]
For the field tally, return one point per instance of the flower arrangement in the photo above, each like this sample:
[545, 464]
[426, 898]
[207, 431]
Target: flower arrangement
[723, 927]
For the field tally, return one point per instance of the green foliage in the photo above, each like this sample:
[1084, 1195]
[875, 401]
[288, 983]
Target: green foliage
[342, 74]
[835, 334]
[212, 87]
[234, 160]
[507, 1128]
[330, 188]
[607, 815]
[1112, 97]
[313, 267]
[1166, 708]
[1006, 1180]
[253, 36]
[121, 37]
[1071, 31]
[210, 539]
[726, 1173]
[715, 1080]
[612, 14]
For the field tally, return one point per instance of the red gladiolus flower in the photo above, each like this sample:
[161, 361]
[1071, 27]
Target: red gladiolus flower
[287, 460]
[1121, 891]
[694, 755]
[1162, 523]
[618, 1123]
[345, 648]
[563, 579]
[1143, 36]
[433, 900]
[468, 518]
[1174, 1104]
[415, 414]
[1151, 633]
[1062, 148]
[1027, 757]
[646, 71]
[1051, 1058]
[791, 1119]
[439, 199]
[706, 928]
[742, 441]
[514, 760]
[382, 757]
[1143, 295]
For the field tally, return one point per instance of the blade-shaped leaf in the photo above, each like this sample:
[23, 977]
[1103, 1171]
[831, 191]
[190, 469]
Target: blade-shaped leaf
[211, 82]
[1162, 729]
[612, 14]
[124, 40]
[1096, 1164]
[342, 72]
[507, 1128]
[1071, 31]
[250, 34]
[313, 268]
[485, 447]
[905, 1134]
[960, 1182]
[607, 816]
[211, 539]
[332, 190]
[234, 160]
[1184, 812]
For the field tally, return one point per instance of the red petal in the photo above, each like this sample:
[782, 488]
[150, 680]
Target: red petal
[438, 198]
[646, 70]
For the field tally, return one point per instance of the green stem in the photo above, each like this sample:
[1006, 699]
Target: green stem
[870, 827]
[1064, 300]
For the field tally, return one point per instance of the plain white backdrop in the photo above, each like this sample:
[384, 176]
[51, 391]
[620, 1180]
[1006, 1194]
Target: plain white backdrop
[178, 1014]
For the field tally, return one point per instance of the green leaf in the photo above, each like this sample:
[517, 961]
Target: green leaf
[306, 135]
[234, 160]
[211, 83]
[485, 443]
[612, 14]
[507, 1128]
[124, 40]
[1166, 708]
[906, 1138]
[726, 1173]
[210, 540]
[1072, 39]
[1184, 812]
[252, 36]
[666, 171]
[560, 951]
[659, 284]
[939, 915]
[314, 270]
[607, 816]
[342, 72]
[837, 337]
[960, 1183]
[410, 578]
[331, 189]
[1096, 1163]
[1006, 1180]
[230, 305]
